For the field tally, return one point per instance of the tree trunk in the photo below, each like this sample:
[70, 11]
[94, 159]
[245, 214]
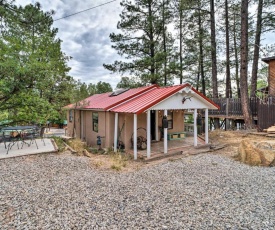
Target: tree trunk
[228, 93]
[152, 47]
[181, 40]
[198, 78]
[213, 50]
[244, 63]
[256, 50]
[214, 58]
[201, 64]
[236, 59]
[164, 42]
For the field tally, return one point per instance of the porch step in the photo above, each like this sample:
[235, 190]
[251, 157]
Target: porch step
[162, 156]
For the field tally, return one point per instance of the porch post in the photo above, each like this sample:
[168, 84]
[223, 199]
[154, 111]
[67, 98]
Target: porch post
[115, 134]
[195, 127]
[157, 126]
[148, 133]
[165, 135]
[206, 126]
[135, 136]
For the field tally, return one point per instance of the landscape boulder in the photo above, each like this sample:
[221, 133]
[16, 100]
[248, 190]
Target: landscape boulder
[257, 153]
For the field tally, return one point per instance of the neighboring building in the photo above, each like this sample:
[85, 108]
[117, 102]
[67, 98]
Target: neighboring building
[118, 115]
[271, 75]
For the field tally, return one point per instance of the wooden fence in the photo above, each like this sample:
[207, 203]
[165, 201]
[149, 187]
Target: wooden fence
[263, 111]
[232, 107]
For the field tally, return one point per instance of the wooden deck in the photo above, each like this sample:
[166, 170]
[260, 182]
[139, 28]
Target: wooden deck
[263, 112]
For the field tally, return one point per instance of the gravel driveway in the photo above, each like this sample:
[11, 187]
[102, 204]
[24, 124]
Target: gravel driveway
[198, 192]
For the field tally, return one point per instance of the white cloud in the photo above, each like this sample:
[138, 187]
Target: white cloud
[85, 36]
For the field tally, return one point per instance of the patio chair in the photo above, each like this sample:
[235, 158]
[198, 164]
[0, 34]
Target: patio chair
[12, 138]
[34, 134]
[2, 139]
[41, 134]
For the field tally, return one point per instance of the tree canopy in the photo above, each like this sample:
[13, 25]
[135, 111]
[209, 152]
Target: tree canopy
[192, 41]
[33, 69]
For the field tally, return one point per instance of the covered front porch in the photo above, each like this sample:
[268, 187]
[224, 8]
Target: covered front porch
[179, 98]
[174, 147]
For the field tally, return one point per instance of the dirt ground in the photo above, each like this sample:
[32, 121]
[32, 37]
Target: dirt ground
[222, 142]
[232, 139]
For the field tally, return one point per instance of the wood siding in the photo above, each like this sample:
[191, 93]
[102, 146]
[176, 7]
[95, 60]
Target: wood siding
[271, 78]
[266, 113]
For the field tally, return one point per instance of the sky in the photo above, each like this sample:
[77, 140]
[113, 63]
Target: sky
[85, 36]
[86, 39]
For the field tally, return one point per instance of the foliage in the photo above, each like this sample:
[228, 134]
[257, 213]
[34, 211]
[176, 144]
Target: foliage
[33, 70]
[119, 161]
[141, 41]
[60, 143]
[82, 90]
[128, 82]
[153, 51]
[77, 145]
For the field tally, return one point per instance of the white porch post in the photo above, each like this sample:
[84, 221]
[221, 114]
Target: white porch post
[135, 136]
[165, 135]
[157, 125]
[206, 126]
[195, 127]
[115, 134]
[148, 133]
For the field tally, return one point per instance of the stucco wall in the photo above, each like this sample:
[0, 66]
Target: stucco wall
[89, 135]
[178, 125]
[70, 125]
[110, 129]
[69, 131]
[129, 128]
[178, 121]
[106, 125]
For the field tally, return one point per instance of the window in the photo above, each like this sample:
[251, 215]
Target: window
[170, 119]
[95, 122]
[70, 115]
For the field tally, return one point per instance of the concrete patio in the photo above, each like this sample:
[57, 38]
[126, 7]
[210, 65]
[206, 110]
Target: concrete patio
[175, 147]
[28, 150]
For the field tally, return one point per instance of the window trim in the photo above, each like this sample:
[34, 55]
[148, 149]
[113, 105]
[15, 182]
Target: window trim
[170, 115]
[71, 115]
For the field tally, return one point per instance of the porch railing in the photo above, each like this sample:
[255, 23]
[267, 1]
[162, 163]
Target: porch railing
[232, 107]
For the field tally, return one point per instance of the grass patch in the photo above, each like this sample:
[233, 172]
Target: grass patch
[59, 142]
[119, 161]
[79, 146]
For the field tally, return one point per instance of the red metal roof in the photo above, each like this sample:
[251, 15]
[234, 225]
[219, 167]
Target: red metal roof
[151, 98]
[135, 100]
[104, 101]
[147, 100]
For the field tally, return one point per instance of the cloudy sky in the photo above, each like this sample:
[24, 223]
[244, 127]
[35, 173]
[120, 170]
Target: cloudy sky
[85, 35]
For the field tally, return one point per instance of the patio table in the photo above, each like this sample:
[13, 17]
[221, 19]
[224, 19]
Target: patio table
[15, 134]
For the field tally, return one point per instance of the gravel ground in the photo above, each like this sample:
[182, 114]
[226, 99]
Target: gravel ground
[198, 192]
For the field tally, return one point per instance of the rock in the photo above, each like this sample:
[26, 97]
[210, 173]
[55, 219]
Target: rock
[258, 154]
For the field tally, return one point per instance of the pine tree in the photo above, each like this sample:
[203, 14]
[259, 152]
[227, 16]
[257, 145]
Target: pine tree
[141, 41]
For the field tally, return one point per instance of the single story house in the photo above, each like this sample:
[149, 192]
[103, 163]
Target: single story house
[116, 117]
